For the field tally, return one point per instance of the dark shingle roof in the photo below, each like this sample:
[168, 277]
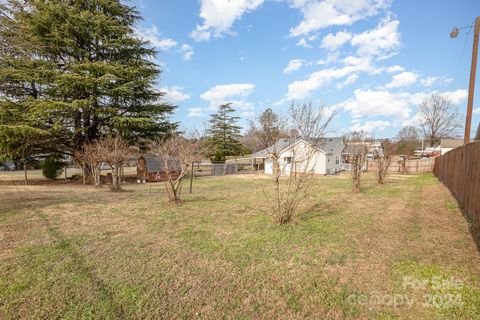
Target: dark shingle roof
[354, 149]
[276, 147]
[331, 145]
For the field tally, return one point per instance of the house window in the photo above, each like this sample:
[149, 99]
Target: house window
[337, 160]
[287, 159]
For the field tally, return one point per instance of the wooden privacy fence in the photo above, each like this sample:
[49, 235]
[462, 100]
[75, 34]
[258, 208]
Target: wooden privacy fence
[459, 170]
[411, 166]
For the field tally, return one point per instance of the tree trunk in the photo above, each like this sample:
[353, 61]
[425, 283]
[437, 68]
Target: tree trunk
[25, 176]
[115, 179]
[84, 177]
[173, 192]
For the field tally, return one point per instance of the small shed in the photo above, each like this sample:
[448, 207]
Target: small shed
[150, 168]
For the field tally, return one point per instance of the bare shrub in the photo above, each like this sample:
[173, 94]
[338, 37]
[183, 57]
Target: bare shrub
[177, 154]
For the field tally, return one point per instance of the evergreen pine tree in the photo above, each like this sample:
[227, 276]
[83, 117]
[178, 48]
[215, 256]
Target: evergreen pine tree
[224, 133]
[72, 71]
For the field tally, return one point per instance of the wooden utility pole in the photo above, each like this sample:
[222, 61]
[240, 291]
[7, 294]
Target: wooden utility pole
[471, 87]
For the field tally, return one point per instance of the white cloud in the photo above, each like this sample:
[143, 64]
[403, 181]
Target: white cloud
[304, 41]
[335, 41]
[248, 114]
[377, 103]
[187, 51]
[413, 121]
[371, 126]
[234, 93]
[385, 103]
[293, 65]
[395, 68]
[403, 79]
[174, 94]
[350, 79]
[300, 89]
[381, 42]
[430, 81]
[195, 112]
[318, 14]
[456, 96]
[476, 110]
[219, 15]
[152, 35]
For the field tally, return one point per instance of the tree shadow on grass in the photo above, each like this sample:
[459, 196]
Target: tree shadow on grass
[319, 210]
[201, 198]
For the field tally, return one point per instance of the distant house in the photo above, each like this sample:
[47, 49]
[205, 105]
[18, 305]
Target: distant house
[443, 147]
[262, 159]
[374, 148]
[150, 168]
[449, 144]
[333, 147]
[320, 156]
[351, 150]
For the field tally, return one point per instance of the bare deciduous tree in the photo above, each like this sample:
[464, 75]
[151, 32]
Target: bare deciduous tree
[114, 151]
[439, 118]
[90, 160]
[383, 161]
[176, 155]
[293, 173]
[408, 133]
[408, 140]
[357, 151]
[264, 131]
[308, 121]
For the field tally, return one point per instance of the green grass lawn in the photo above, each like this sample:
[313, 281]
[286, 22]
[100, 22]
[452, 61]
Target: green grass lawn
[73, 251]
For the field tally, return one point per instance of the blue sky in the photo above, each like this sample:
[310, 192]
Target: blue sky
[369, 61]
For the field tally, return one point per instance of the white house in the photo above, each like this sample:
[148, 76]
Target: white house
[302, 155]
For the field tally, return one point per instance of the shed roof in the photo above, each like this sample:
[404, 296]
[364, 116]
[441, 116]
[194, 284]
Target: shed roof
[154, 164]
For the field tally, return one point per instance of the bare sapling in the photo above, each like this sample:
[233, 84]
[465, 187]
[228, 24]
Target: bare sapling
[176, 155]
[384, 160]
[356, 152]
[294, 161]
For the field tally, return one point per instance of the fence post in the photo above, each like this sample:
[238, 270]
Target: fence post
[191, 177]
